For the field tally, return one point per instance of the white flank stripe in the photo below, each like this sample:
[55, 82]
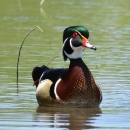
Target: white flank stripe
[57, 97]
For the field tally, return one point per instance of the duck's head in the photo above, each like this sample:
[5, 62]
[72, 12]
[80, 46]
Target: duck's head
[75, 40]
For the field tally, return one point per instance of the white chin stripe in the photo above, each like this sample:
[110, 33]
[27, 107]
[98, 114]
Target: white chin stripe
[77, 53]
[57, 97]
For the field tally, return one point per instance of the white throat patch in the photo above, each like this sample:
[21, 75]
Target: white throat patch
[77, 51]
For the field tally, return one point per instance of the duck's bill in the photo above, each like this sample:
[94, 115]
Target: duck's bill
[87, 44]
[93, 47]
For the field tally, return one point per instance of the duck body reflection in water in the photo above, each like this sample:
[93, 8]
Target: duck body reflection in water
[73, 86]
[70, 118]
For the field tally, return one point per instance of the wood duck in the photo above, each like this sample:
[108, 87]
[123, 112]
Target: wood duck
[73, 86]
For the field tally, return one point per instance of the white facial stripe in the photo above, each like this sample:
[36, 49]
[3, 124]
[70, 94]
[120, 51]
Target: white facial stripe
[71, 44]
[65, 40]
[78, 32]
[63, 45]
[68, 55]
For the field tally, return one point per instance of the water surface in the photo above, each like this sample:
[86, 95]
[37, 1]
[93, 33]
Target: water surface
[109, 24]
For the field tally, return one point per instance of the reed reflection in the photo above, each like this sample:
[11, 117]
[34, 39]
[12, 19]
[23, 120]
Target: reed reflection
[41, 9]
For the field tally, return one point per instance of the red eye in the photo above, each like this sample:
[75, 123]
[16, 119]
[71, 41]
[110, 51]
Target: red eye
[75, 34]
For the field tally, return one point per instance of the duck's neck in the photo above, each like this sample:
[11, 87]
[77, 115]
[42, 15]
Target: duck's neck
[77, 62]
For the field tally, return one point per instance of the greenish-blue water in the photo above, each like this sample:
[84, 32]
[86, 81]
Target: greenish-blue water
[108, 22]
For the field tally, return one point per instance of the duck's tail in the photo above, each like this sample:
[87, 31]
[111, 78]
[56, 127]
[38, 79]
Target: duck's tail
[37, 72]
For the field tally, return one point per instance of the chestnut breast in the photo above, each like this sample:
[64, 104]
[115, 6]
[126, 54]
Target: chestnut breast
[78, 88]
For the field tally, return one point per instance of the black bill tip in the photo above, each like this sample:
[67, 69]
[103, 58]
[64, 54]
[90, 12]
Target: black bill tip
[94, 48]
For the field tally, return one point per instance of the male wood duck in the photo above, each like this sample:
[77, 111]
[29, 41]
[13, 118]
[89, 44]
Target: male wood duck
[73, 86]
